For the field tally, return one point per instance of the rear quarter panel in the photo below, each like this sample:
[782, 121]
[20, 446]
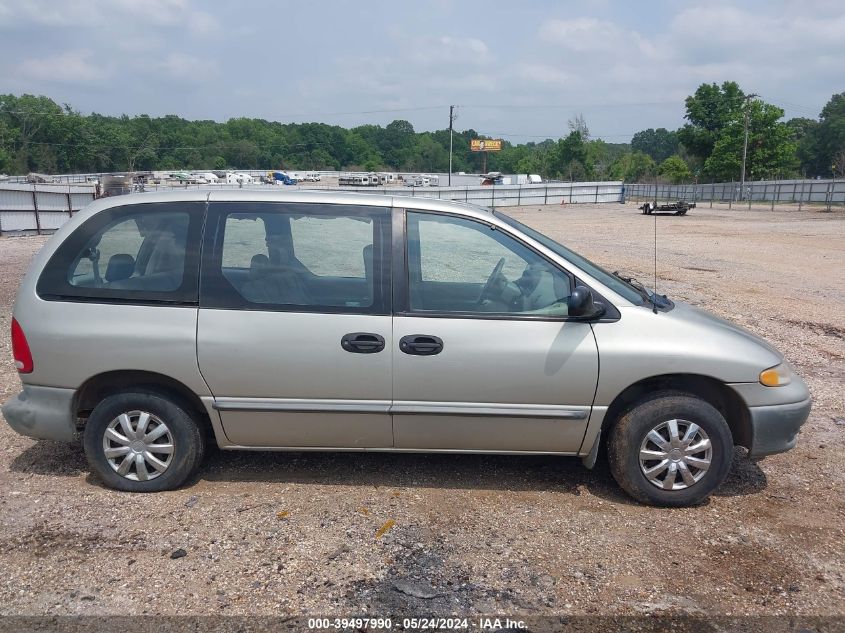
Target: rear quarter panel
[72, 341]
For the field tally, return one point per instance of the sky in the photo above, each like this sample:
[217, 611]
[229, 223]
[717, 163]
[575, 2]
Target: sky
[517, 69]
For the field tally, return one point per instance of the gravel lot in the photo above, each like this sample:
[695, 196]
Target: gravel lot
[345, 534]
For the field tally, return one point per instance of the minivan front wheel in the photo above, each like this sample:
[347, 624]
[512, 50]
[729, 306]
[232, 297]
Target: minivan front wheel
[142, 442]
[671, 449]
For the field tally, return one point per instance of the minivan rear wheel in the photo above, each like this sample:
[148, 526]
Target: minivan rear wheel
[671, 449]
[142, 442]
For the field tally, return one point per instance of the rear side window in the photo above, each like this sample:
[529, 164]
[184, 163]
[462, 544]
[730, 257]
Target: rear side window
[297, 257]
[308, 235]
[136, 253]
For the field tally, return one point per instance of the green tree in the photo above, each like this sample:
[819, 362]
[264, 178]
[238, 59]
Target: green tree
[675, 170]
[527, 165]
[241, 153]
[397, 142]
[428, 155]
[772, 152]
[709, 111]
[804, 132]
[829, 138]
[579, 124]
[37, 134]
[660, 144]
[34, 123]
[5, 154]
[569, 159]
[633, 167]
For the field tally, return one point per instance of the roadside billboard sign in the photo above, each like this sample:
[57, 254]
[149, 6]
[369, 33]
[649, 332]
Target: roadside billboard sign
[486, 144]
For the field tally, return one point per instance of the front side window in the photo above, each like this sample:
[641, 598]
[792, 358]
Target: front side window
[613, 282]
[460, 265]
[139, 252]
[298, 257]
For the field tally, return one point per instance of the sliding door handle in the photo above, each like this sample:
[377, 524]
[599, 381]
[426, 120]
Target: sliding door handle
[421, 345]
[362, 343]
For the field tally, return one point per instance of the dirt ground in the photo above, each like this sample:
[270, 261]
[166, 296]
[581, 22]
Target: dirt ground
[377, 534]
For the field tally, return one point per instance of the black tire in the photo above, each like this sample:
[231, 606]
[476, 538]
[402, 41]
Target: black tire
[186, 438]
[628, 433]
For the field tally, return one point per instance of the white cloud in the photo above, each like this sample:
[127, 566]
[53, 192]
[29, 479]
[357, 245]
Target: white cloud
[624, 68]
[582, 34]
[202, 23]
[713, 33]
[68, 67]
[188, 68]
[542, 74]
[108, 14]
[437, 50]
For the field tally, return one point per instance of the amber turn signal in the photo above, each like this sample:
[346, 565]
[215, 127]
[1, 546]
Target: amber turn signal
[777, 376]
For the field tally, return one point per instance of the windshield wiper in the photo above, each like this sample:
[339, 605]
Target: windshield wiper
[652, 297]
[636, 285]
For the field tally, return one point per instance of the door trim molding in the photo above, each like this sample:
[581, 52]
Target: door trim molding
[410, 407]
[302, 405]
[401, 407]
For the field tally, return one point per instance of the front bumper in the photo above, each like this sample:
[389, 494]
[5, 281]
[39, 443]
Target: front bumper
[43, 413]
[775, 427]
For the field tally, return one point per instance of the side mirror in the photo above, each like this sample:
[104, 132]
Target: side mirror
[581, 304]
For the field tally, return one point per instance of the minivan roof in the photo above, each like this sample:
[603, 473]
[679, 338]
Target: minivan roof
[286, 195]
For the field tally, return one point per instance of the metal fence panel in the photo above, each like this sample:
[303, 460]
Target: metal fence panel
[48, 201]
[52, 220]
[80, 200]
[15, 200]
[27, 207]
[18, 221]
[818, 192]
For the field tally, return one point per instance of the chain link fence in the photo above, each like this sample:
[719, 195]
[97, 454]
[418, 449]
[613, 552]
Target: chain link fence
[800, 193]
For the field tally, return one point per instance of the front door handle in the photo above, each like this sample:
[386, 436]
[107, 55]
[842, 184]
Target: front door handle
[362, 343]
[421, 345]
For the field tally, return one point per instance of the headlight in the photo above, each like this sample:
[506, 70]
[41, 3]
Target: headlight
[776, 376]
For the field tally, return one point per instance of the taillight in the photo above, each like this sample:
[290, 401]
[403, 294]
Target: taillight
[20, 349]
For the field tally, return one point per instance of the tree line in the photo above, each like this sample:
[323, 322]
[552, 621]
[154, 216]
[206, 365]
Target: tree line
[37, 134]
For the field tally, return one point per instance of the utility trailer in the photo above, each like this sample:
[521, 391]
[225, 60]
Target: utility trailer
[675, 208]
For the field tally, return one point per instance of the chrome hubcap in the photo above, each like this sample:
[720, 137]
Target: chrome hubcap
[675, 454]
[138, 445]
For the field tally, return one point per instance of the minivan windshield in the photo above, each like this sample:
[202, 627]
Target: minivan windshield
[598, 273]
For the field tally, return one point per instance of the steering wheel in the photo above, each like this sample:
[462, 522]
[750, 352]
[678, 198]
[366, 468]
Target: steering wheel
[93, 255]
[491, 280]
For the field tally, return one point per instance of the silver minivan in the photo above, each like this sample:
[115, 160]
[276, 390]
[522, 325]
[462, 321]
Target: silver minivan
[331, 321]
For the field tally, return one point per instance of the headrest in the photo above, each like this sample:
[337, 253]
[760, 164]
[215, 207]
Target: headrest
[121, 266]
[259, 265]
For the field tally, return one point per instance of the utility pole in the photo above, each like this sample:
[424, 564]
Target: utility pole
[451, 120]
[748, 99]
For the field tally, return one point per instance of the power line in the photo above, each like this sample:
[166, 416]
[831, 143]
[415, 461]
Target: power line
[374, 111]
[567, 106]
[553, 136]
[277, 116]
[222, 142]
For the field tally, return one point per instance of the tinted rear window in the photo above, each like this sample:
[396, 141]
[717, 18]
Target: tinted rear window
[132, 253]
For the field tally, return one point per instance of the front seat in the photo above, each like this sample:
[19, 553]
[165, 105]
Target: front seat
[540, 288]
[121, 266]
[280, 285]
[166, 262]
[255, 287]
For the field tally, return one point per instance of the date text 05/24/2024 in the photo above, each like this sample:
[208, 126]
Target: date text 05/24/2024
[416, 624]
